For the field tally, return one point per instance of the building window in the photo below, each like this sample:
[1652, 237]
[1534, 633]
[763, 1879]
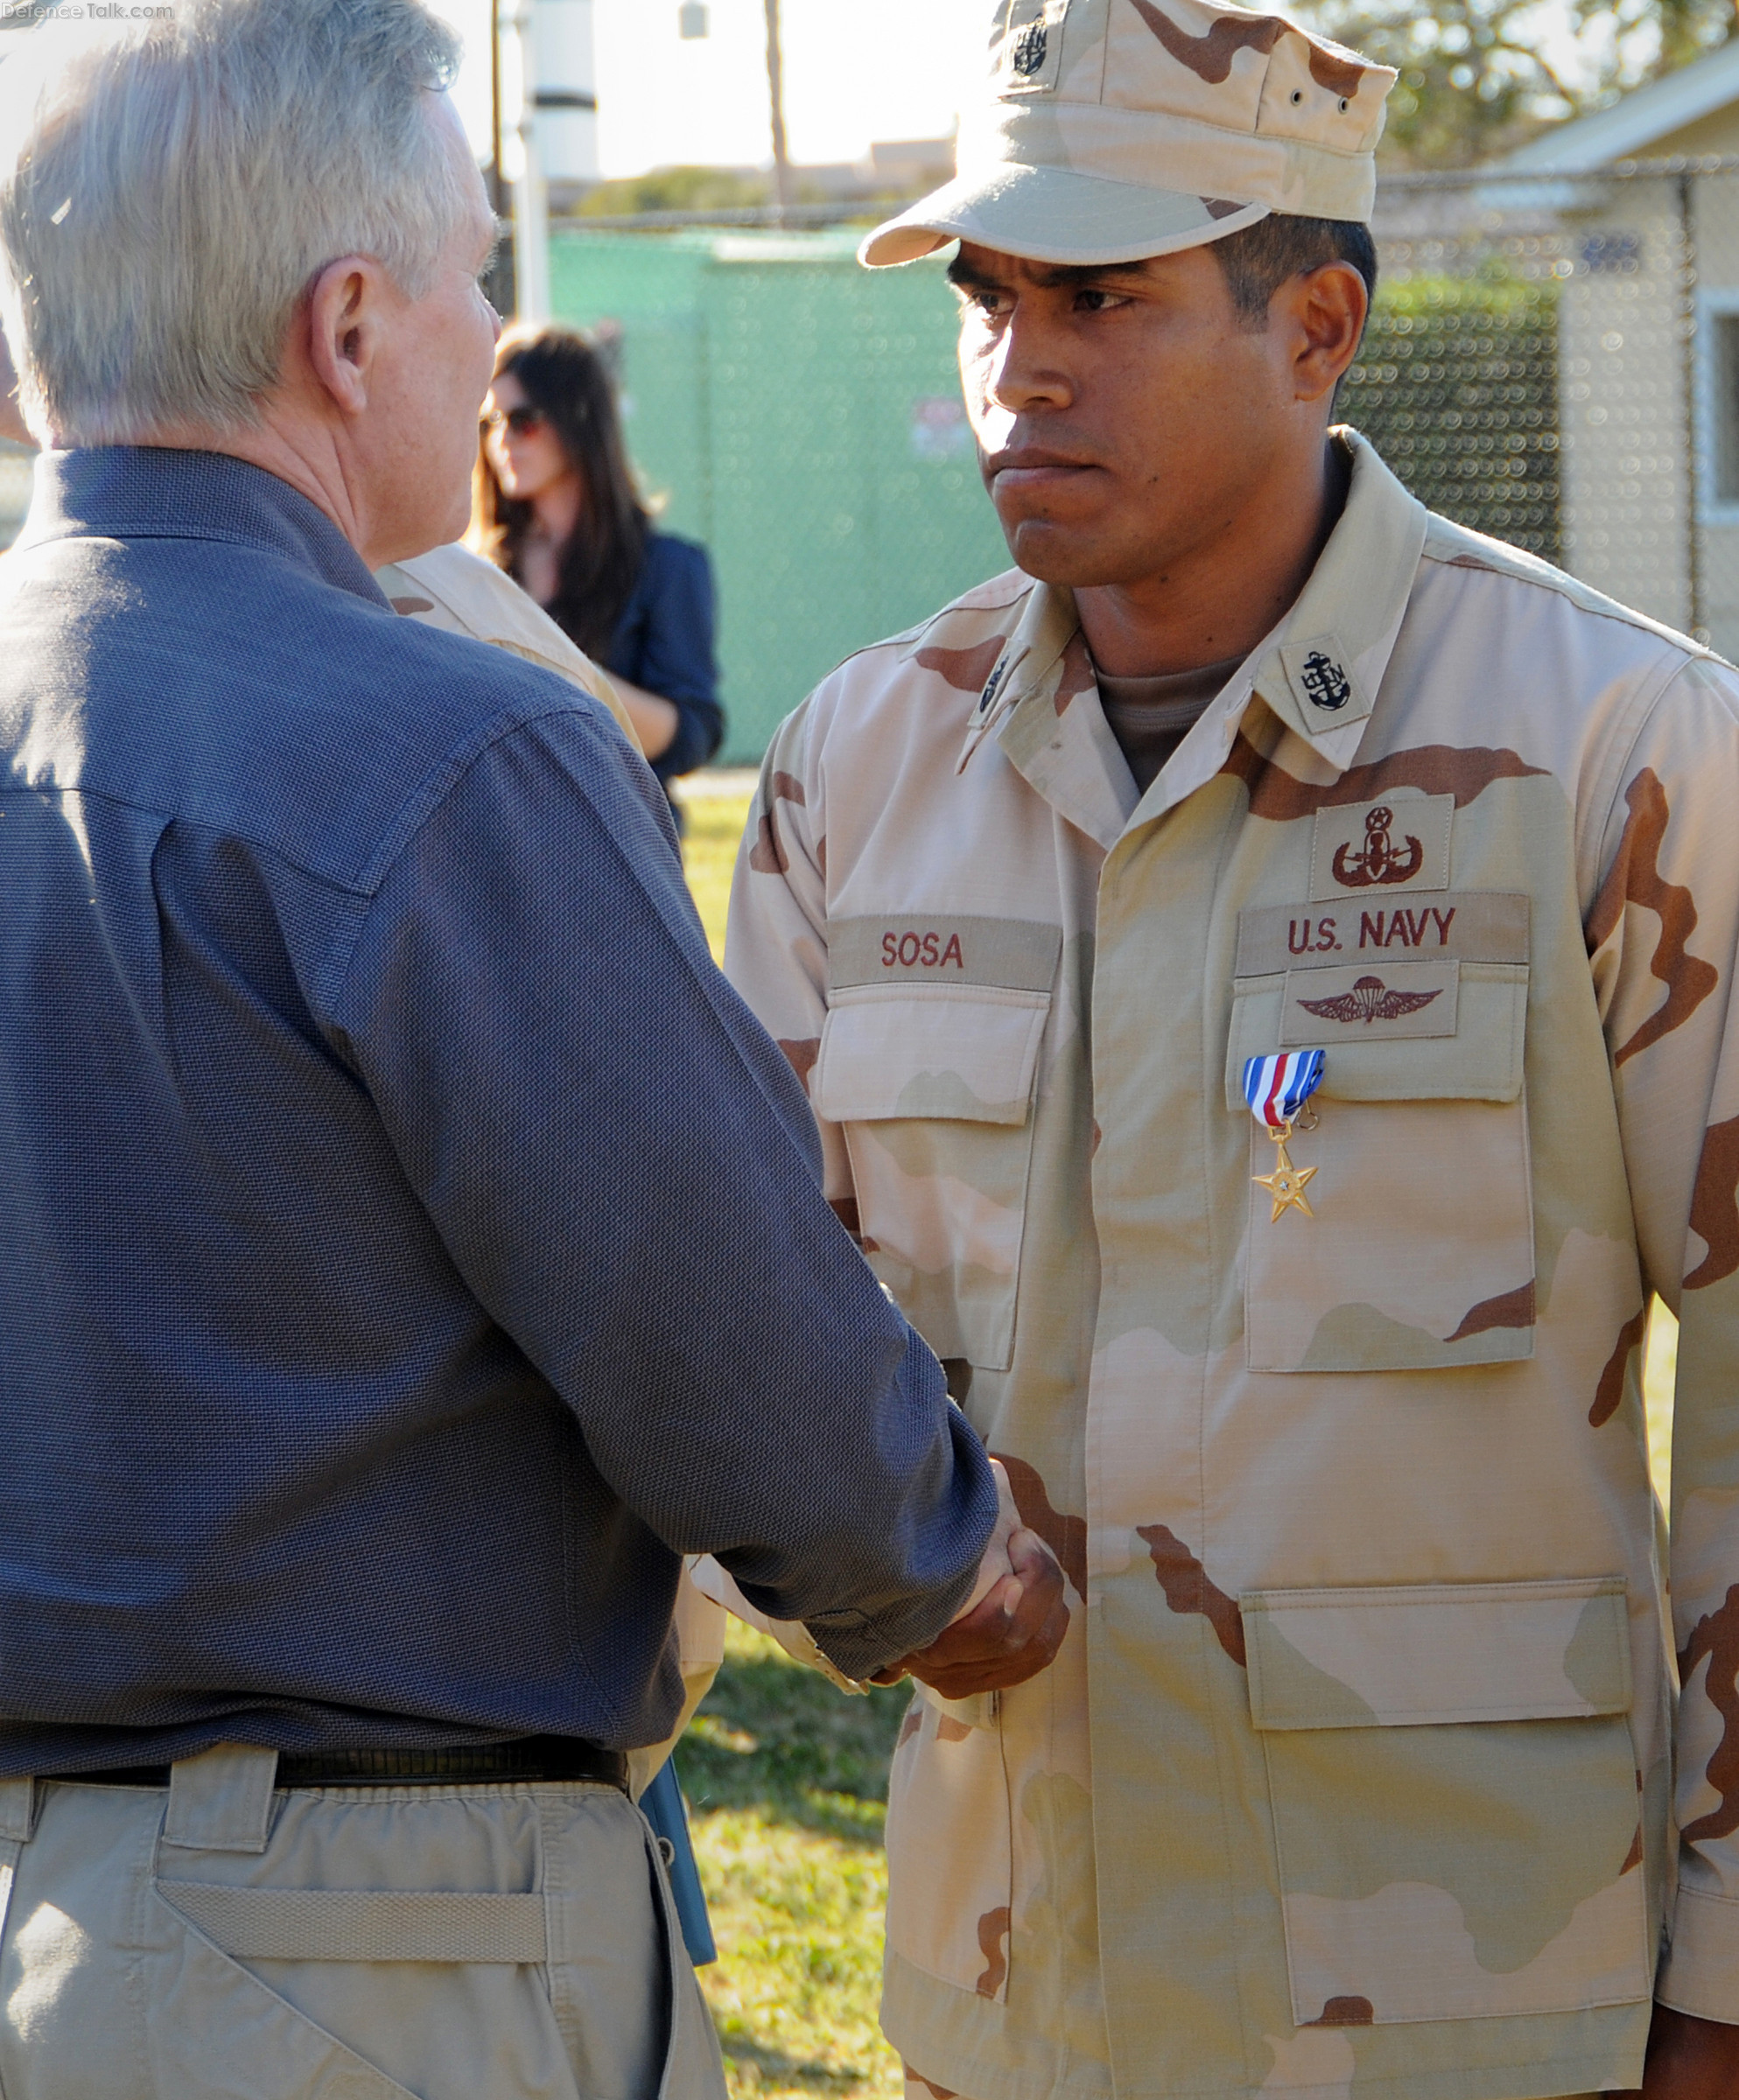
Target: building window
[1724, 378]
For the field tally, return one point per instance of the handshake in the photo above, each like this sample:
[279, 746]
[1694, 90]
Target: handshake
[1012, 1625]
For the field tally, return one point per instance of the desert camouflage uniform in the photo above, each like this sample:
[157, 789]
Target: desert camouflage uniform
[459, 592]
[1353, 1776]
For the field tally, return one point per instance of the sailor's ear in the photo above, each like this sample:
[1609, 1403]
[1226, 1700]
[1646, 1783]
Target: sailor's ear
[1323, 312]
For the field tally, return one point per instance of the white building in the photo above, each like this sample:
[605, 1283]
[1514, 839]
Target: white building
[1648, 339]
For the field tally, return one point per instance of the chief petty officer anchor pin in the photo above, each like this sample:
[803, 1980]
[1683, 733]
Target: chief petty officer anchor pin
[1277, 1087]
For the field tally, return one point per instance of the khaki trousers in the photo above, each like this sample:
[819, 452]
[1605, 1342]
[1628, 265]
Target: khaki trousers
[222, 1940]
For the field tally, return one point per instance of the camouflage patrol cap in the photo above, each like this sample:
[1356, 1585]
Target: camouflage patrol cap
[1117, 129]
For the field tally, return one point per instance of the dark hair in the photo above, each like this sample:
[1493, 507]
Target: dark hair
[1261, 258]
[567, 382]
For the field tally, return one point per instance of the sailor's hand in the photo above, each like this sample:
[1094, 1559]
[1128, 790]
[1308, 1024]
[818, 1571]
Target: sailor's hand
[1688, 2059]
[1012, 1634]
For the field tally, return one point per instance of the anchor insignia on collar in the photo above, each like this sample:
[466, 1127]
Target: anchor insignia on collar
[1382, 860]
[1325, 685]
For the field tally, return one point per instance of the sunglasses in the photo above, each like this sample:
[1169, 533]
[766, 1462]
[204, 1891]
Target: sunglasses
[523, 421]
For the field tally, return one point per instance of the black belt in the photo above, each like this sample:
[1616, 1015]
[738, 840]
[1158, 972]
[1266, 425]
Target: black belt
[532, 1758]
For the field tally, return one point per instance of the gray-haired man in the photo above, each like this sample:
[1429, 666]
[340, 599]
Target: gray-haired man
[410, 1245]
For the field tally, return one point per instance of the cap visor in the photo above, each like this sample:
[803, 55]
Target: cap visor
[1054, 215]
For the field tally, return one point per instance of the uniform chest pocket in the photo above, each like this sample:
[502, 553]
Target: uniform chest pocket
[1419, 1254]
[933, 1086]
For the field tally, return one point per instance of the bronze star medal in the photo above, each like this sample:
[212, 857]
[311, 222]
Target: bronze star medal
[1278, 1089]
[1285, 1184]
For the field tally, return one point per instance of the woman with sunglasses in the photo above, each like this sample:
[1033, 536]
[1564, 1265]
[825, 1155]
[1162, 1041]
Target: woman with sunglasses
[555, 505]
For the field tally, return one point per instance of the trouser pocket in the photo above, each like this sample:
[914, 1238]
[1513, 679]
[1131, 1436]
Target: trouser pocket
[439, 1941]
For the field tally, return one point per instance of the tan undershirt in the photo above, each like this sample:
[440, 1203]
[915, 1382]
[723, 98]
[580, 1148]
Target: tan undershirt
[1151, 717]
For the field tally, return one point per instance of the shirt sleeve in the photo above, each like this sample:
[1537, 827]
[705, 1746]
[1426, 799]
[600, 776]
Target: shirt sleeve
[623, 1171]
[776, 945]
[1663, 937]
[673, 650]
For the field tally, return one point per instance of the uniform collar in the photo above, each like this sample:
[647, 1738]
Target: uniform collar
[1023, 671]
[1064, 751]
[1319, 670]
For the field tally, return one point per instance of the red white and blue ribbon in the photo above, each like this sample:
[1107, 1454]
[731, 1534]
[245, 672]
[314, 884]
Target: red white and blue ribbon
[1278, 1087]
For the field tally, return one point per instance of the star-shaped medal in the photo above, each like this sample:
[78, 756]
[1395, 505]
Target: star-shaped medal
[1286, 1184]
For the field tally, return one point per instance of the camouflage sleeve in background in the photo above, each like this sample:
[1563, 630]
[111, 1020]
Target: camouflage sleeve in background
[455, 590]
[777, 944]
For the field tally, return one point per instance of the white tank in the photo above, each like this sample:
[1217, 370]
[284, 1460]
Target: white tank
[566, 94]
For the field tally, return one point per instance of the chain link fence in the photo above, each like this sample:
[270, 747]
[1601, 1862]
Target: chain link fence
[1457, 386]
[1554, 359]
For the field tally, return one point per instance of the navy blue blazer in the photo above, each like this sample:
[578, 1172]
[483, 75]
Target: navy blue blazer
[664, 642]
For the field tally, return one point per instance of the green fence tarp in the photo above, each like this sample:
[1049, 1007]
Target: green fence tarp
[801, 417]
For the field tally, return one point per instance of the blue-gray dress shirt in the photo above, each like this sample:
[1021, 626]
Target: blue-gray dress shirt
[409, 1245]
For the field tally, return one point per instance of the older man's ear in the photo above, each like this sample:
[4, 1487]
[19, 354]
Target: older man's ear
[12, 423]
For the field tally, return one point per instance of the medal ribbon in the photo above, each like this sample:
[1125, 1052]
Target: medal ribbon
[1278, 1087]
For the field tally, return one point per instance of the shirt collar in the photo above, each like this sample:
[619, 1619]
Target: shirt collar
[128, 492]
[1047, 625]
[1321, 670]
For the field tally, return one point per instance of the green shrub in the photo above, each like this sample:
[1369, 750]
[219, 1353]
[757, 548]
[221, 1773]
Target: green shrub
[1456, 386]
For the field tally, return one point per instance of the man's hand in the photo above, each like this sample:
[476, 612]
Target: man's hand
[1008, 1636]
[1688, 2059]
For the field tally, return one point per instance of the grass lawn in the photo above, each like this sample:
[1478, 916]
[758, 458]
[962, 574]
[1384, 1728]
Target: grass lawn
[715, 825]
[786, 1778]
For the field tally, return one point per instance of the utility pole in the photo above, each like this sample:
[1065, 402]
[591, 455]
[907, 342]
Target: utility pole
[497, 186]
[501, 272]
[523, 173]
[775, 83]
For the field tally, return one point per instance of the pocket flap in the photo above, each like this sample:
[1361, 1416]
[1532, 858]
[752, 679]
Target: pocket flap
[1480, 1057]
[947, 1054]
[1439, 1652]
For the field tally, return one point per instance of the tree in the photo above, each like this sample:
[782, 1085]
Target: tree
[686, 189]
[1476, 77]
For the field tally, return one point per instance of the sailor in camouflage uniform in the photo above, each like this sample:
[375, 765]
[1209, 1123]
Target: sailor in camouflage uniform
[1355, 1775]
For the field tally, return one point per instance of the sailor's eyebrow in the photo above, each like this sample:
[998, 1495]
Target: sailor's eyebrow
[1059, 277]
[964, 277]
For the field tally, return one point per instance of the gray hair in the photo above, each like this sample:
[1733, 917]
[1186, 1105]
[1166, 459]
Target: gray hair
[176, 191]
